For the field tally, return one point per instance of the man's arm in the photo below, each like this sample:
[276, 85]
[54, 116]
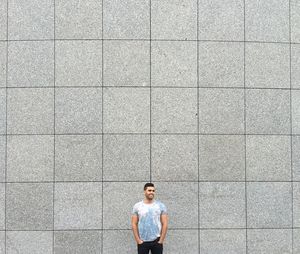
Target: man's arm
[134, 225]
[164, 227]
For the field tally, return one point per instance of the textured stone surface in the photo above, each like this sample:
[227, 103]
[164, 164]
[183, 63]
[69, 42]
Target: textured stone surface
[77, 242]
[265, 241]
[78, 19]
[2, 242]
[2, 206]
[296, 203]
[78, 63]
[296, 158]
[295, 64]
[296, 240]
[2, 111]
[3, 49]
[295, 20]
[29, 206]
[30, 158]
[78, 206]
[267, 20]
[269, 205]
[125, 237]
[3, 21]
[223, 241]
[2, 158]
[296, 111]
[78, 158]
[29, 242]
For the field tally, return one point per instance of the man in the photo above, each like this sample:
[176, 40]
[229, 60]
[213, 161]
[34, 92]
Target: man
[149, 223]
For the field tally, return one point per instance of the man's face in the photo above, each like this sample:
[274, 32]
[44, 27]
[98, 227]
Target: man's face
[149, 193]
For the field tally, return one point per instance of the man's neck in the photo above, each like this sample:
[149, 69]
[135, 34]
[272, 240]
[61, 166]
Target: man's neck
[148, 201]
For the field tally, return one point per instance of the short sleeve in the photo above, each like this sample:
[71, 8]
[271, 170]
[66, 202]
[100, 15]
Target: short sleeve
[135, 210]
[163, 209]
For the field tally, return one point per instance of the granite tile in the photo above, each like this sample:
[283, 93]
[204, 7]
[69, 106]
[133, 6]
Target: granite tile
[295, 64]
[123, 237]
[2, 111]
[296, 204]
[296, 111]
[2, 206]
[296, 157]
[295, 20]
[3, 21]
[3, 60]
[2, 158]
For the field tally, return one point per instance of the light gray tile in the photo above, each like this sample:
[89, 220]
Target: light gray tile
[265, 241]
[296, 240]
[3, 21]
[269, 204]
[268, 158]
[78, 206]
[267, 20]
[2, 242]
[181, 241]
[31, 63]
[29, 242]
[30, 111]
[77, 242]
[295, 64]
[222, 205]
[78, 110]
[221, 64]
[126, 157]
[2, 158]
[32, 19]
[78, 158]
[119, 199]
[295, 20]
[78, 63]
[221, 158]
[174, 157]
[267, 65]
[123, 237]
[126, 19]
[29, 206]
[221, 20]
[296, 111]
[296, 157]
[2, 206]
[174, 63]
[126, 110]
[174, 110]
[296, 203]
[3, 47]
[174, 19]
[223, 241]
[30, 158]
[126, 63]
[267, 111]
[181, 200]
[78, 19]
[2, 111]
[221, 111]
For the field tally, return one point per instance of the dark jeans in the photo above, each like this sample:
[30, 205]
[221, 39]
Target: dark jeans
[154, 246]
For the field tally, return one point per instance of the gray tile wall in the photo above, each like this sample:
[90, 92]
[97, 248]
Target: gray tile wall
[200, 97]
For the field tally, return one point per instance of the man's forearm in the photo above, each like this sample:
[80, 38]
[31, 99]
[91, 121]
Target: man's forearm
[136, 233]
[163, 233]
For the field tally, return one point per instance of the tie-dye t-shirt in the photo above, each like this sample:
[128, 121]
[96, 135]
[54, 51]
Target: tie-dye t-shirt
[149, 224]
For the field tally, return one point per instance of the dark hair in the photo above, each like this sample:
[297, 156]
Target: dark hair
[148, 185]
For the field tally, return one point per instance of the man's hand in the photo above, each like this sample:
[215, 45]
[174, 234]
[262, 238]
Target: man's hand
[140, 242]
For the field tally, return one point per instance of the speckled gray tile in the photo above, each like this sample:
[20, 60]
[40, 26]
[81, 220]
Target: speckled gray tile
[3, 21]
[30, 158]
[222, 205]
[32, 19]
[2, 111]
[30, 111]
[3, 48]
[78, 205]
[186, 202]
[174, 19]
[2, 158]
[126, 63]
[126, 157]
[78, 19]
[269, 204]
[221, 20]
[221, 158]
[126, 19]
[29, 242]
[174, 63]
[268, 158]
[126, 110]
[124, 237]
[174, 110]
[295, 64]
[30, 63]
[267, 20]
[295, 20]
[223, 241]
[296, 157]
[78, 110]
[174, 157]
[78, 63]
[296, 240]
[29, 206]
[2, 206]
[120, 203]
[265, 241]
[296, 111]
[221, 64]
[2, 242]
[267, 111]
[296, 203]
[221, 111]
[77, 242]
[267, 65]
[78, 158]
